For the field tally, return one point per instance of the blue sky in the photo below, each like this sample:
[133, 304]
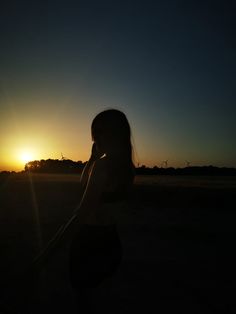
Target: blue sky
[169, 65]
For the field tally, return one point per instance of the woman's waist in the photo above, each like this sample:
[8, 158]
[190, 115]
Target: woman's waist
[97, 226]
[105, 214]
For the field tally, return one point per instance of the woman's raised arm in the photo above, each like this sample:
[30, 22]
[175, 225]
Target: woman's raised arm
[89, 202]
[87, 169]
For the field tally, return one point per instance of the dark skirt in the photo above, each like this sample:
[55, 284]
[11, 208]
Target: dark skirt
[95, 254]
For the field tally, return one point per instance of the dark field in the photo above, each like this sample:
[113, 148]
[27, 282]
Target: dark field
[178, 236]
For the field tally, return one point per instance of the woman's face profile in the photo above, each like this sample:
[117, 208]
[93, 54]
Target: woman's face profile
[100, 148]
[98, 139]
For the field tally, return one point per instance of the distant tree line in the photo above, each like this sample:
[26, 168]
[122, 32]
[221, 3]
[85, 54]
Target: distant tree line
[55, 166]
[193, 170]
[69, 166]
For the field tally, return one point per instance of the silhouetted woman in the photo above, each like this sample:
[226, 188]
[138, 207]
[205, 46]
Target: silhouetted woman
[107, 178]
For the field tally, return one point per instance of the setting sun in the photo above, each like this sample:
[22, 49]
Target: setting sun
[25, 156]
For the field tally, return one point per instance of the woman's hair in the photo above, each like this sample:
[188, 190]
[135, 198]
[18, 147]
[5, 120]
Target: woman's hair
[114, 128]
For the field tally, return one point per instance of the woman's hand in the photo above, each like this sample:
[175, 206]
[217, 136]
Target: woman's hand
[95, 154]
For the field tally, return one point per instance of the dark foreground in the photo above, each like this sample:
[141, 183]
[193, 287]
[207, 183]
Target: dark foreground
[178, 236]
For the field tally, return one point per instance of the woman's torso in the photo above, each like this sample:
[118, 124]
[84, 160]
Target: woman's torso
[112, 200]
[103, 215]
[107, 211]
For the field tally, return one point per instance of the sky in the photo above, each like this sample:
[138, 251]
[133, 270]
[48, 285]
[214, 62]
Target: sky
[168, 65]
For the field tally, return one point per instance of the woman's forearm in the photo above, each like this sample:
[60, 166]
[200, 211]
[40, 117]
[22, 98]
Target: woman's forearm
[95, 154]
[86, 171]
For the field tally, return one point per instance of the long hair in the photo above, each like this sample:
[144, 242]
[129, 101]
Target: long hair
[114, 127]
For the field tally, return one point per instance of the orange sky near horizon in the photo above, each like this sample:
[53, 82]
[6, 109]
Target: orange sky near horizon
[50, 126]
[64, 129]
[36, 142]
[44, 132]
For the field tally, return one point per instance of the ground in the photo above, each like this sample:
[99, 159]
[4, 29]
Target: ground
[178, 237]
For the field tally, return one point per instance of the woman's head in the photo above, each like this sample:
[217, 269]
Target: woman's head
[111, 133]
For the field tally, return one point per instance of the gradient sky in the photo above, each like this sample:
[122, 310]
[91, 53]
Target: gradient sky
[169, 65]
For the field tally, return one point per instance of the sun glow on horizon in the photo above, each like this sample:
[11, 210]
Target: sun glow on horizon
[26, 156]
